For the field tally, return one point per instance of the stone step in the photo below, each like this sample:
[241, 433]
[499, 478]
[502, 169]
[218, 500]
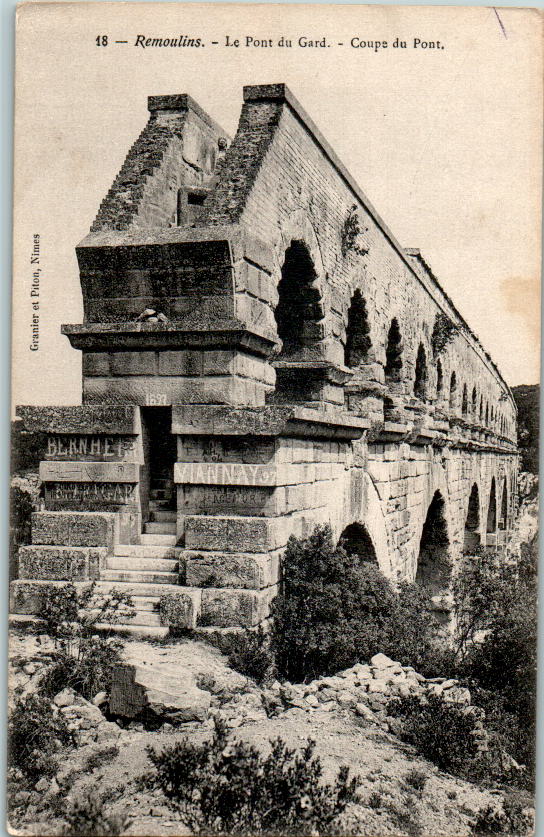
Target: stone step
[136, 631]
[144, 604]
[120, 562]
[145, 590]
[147, 551]
[158, 540]
[161, 515]
[160, 528]
[145, 576]
[145, 617]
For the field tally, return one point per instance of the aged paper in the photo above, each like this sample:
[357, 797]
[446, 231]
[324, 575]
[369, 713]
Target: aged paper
[275, 378]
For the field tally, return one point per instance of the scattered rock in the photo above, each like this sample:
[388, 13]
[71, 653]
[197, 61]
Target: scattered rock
[66, 697]
[100, 698]
[165, 691]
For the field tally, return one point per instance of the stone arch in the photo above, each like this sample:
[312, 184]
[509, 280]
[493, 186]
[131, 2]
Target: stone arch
[439, 379]
[481, 413]
[486, 413]
[393, 353]
[472, 521]
[503, 519]
[358, 340]
[299, 309]
[420, 379]
[464, 401]
[367, 509]
[474, 402]
[492, 508]
[356, 541]
[453, 390]
[434, 565]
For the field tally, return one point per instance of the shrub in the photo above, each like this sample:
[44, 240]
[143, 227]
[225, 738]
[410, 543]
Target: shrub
[512, 820]
[410, 635]
[87, 667]
[502, 666]
[440, 731]
[248, 652]
[86, 817]
[82, 659]
[224, 787]
[332, 610]
[35, 734]
[417, 779]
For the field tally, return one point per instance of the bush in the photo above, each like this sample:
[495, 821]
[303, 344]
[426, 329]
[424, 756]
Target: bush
[511, 820]
[440, 731]
[502, 665]
[336, 610]
[332, 611]
[248, 652]
[86, 817]
[35, 734]
[411, 634]
[223, 787]
[82, 659]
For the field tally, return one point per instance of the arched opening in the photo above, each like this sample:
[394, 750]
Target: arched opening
[474, 402]
[453, 390]
[298, 310]
[439, 379]
[481, 413]
[433, 565]
[472, 523]
[487, 413]
[356, 541]
[393, 353]
[492, 509]
[464, 401]
[420, 381]
[503, 520]
[357, 332]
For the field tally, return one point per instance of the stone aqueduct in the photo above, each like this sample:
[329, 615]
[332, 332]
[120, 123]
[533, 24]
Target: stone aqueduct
[260, 355]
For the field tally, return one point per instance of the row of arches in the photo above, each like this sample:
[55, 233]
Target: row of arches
[434, 567]
[300, 317]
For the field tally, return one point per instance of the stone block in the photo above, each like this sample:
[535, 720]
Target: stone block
[236, 534]
[61, 563]
[235, 608]
[180, 363]
[96, 363]
[26, 597]
[83, 419]
[74, 528]
[133, 363]
[167, 692]
[180, 610]
[238, 570]
[99, 472]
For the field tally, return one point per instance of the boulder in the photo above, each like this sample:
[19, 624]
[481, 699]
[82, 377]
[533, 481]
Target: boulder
[163, 690]
[457, 694]
[365, 712]
[381, 661]
[67, 697]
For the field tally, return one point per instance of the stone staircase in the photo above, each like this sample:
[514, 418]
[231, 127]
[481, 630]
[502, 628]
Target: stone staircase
[146, 571]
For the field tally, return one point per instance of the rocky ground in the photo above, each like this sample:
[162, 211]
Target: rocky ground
[189, 683]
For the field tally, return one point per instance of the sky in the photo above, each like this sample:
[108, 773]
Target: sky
[446, 144]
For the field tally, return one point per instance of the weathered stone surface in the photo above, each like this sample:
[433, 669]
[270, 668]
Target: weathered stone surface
[238, 570]
[26, 597]
[164, 691]
[61, 563]
[88, 419]
[234, 608]
[180, 610]
[74, 528]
